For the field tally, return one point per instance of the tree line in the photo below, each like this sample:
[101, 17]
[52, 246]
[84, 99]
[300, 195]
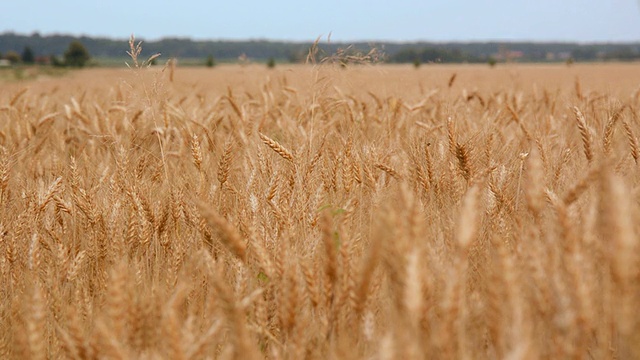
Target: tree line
[76, 55]
[77, 51]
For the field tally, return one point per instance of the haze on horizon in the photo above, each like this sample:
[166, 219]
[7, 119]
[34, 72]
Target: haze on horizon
[357, 20]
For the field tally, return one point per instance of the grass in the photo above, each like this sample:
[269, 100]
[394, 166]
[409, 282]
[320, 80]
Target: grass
[321, 212]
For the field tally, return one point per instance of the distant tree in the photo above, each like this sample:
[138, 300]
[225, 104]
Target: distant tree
[433, 54]
[417, 63]
[211, 62]
[295, 56]
[13, 57]
[55, 61]
[27, 55]
[625, 53]
[492, 61]
[585, 53]
[271, 63]
[76, 54]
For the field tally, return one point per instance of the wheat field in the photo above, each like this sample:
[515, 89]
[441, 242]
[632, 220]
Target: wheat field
[366, 212]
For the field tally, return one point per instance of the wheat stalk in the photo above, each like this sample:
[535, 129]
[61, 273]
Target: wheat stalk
[584, 133]
[633, 141]
[229, 235]
[609, 128]
[275, 146]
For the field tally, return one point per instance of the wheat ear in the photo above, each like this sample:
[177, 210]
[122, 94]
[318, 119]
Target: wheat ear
[584, 133]
[275, 146]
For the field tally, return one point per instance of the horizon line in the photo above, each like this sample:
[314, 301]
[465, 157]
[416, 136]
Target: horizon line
[327, 39]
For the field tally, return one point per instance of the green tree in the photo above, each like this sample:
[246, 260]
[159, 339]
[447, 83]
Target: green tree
[76, 54]
[211, 62]
[271, 63]
[13, 57]
[27, 55]
[55, 61]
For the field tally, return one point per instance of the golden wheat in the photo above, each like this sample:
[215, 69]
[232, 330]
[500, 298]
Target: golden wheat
[320, 212]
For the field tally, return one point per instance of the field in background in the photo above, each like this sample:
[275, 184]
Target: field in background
[320, 212]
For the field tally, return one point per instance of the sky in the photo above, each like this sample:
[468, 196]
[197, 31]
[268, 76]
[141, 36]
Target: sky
[346, 20]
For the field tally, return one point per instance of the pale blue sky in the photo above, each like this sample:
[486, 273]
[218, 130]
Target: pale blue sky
[398, 20]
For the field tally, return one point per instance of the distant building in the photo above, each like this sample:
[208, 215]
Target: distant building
[5, 63]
